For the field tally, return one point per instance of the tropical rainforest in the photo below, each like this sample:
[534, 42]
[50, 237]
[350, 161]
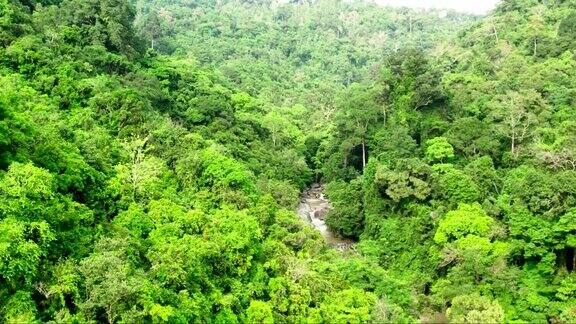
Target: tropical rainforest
[153, 153]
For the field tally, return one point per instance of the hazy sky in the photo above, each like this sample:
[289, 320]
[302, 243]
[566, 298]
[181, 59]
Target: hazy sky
[471, 6]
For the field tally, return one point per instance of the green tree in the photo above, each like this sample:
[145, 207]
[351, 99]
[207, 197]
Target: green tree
[453, 185]
[347, 216]
[516, 116]
[112, 282]
[475, 309]
[358, 112]
[259, 312]
[439, 149]
[108, 23]
[466, 220]
[351, 306]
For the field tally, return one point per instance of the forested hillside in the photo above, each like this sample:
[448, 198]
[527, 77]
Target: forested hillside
[292, 52]
[152, 154]
[469, 190]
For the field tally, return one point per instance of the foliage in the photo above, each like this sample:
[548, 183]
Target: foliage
[438, 149]
[152, 154]
[469, 187]
[474, 309]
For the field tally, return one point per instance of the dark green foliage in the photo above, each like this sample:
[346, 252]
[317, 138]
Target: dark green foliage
[347, 217]
[107, 23]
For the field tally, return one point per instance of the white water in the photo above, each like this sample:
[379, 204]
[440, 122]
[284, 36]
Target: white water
[313, 208]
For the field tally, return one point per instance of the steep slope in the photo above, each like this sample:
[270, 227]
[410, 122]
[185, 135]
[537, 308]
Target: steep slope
[470, 187]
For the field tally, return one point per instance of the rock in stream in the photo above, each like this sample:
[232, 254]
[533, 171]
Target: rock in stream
[314, 208]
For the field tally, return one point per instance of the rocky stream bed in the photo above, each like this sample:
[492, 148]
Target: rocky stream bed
[314, 208]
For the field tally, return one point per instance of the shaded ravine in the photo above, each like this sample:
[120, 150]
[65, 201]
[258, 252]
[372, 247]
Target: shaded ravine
[314, 208]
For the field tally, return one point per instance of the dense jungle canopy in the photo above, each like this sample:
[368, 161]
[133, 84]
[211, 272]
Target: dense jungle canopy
[153, 152]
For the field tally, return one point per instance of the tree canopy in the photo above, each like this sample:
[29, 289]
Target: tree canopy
[152, 154]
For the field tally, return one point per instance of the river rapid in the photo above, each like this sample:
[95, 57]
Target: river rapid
[313, 209]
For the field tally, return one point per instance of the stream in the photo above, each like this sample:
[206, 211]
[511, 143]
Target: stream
[314, 208]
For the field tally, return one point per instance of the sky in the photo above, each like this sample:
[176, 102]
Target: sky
[469, 6]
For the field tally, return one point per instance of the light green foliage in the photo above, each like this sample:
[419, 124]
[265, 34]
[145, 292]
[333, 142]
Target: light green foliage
[385, 312]
[475, 309]
[500, 119]
[111, 281]
[291, 300]
[22, 185]
[269, 50]
[144, 180]
[408, 181]
[259, 312]
[19, 308]
[283, 192]
[566, 228]
[515, 116]
[567, 289]
[351, 306]
[222, 172]
[466, 220]
[568, 315]
[22, 246]
[28, 194]
[438, 149]
[469, 251]
[281, 128]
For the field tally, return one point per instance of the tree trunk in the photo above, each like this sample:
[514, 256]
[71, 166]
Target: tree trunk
[496, 34]
[570, 259]
[384, 114]
[363, 155]
[513, 145]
